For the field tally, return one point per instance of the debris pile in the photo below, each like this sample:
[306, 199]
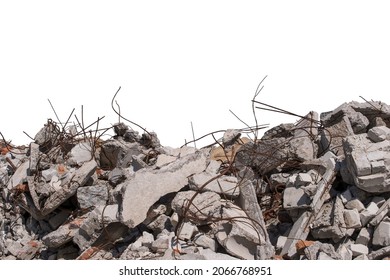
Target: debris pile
[317, 189]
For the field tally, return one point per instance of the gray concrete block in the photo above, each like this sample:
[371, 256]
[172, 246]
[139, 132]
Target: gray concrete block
[355, 204]
[352, 218]
[186, 231]
[364, 236]
[225, 185]
[381, 235]
[358, 249]
[369, 213]
[379, 133]
[205, 242]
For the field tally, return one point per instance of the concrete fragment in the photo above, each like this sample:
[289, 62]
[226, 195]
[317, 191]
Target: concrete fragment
[224, 185]
[47, 137]
[321, 251]
[79, 178]
[58, 219]
[209, 203]
[34, 153]
[295, 198]
[213, 167]
[381, 213]
[20, 175]
[355, 204]
[147, 239]
[160, 223]
[364, 236]
[238, 237]
[116, 153]
[345, 252]
[59, 237]
[369, 213]
[80, 153]
[352, 218]
[162, 243]
[302, 148]
[358, 249]
[146, 187]
[330, 222]
[230, 136]
[379, 133]
[92, 196]
[186, 231]
[249, 204]
[381, 235]
[205, 241]
[332, 137]
[164, 159]
[116, 176]
[379, 254]
[281, 242]
[303, 179]
[359, 122]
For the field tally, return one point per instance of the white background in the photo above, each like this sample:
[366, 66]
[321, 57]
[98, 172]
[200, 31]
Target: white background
[186, 61]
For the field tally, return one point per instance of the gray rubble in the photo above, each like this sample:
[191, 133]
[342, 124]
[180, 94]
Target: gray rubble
[318, 189]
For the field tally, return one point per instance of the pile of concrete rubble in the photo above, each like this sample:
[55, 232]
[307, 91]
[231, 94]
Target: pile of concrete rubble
[316, 189]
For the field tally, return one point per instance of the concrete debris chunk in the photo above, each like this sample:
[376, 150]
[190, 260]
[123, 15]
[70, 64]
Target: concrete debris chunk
[379, 133]
[381, 235]
[224, 185]
[147, 186]
[318, 189]
[92, 196]
[197, 206]
[239, 237]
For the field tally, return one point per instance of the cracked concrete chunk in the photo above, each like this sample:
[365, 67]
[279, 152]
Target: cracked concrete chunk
[239, 237]
[80, 153]
[369, 213]
[381, 235]
[330, 222]
[224, 185]
[147, 186]
[379, 133]
[203, 206]
[90, 196]
[352, 218]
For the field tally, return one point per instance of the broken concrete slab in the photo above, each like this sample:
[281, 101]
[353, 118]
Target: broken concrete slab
[147, 186]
